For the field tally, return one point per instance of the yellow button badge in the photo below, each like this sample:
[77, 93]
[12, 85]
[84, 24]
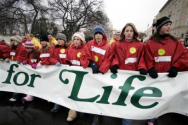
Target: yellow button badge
[62, 50]
[96, 58]
[132, 50]
[161, 52]
[79, 54]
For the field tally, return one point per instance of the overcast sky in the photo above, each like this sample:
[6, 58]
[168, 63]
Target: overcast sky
[139, 12]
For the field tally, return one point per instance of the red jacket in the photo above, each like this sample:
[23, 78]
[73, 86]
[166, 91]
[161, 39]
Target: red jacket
[4, 51]
[74, 54]
[163, 57]
[19, 54]
[58, 54]
[44, 56]
[31, 60]
[2, 43]
[129, 55]
[100, 54]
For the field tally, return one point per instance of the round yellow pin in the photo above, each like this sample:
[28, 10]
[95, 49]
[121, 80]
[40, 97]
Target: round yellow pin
[132, 50]
[161, 52]
[79, 54]
[62, 50]
[96, 58]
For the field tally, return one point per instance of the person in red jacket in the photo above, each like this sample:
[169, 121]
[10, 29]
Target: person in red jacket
[33, 57]
[163, 52]
[58, 53]
[129, 55]
[73, 58]
[74, 52]
[98, 55]
[44, 56]
[57, 57]
[4, 52]
[129, 52]
[18, 52]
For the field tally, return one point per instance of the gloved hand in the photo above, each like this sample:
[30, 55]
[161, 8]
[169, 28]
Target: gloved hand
[58, 64]
[69, 63]
[101, 72]
[94, 67]
[153, 73]
[113, 69]
[7, 60]
[173, 72]
[34, 66]
[24, 62]
[143, 72]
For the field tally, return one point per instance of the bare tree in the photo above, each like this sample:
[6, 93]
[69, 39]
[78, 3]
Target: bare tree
[77, 14]
[21, 13]
[26, 16]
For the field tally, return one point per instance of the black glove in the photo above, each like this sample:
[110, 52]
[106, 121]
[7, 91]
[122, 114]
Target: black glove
[101, 72]
[153, 73]
[69, 63]
[113, 69]
[94, 67]
[173, 72]
[143, 72]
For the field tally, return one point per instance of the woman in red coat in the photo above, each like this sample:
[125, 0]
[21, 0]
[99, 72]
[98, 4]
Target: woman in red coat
[59, 52]
[129, 55]
[73, 58]
[74, 52]
[163, 52]
[129, 51]
[58, 56]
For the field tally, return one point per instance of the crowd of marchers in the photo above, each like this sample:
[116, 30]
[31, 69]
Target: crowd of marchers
[162, 52]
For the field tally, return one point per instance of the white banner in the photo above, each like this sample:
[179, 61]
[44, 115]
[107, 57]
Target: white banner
[127, 95]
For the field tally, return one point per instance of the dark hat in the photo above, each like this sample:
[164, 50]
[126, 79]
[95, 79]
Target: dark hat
[44, 38]
[162, 21]
[98, 29]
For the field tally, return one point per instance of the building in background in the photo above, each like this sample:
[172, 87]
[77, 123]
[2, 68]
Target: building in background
[177, 11]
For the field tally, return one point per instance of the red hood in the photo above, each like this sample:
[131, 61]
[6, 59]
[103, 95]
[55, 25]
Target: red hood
[104, 41]
[82, 46]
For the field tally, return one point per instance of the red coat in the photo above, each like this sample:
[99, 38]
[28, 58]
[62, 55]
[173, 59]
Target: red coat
[74, 54]
[100, 54]
[20, 54]
[4, 51]
[163, 57]
[58, 54]
[129, 55]
[30, 60]
[2, 43]
[44, 56]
